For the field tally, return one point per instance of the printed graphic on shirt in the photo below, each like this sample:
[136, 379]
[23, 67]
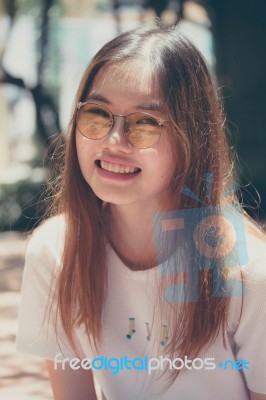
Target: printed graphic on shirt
[131, 328]
[164, 335]
[148, 331]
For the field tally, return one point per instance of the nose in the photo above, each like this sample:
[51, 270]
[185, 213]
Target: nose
[116, 137]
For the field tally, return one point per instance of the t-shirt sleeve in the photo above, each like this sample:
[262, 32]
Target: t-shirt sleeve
[36, 333]
[250, 336]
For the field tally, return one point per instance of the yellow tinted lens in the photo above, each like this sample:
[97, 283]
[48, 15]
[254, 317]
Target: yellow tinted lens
[94, 121]
[143, 130]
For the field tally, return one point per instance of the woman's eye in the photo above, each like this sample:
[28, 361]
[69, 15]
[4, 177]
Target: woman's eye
[147, 121]
[99, 111]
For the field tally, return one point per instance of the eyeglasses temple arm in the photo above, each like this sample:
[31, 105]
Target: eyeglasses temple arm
[80, 104]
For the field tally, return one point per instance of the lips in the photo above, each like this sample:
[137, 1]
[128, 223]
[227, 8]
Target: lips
[117, 168]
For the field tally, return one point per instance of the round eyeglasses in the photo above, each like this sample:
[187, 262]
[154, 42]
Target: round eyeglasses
[95, 121]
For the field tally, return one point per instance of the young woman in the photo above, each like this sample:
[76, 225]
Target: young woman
[149, 274]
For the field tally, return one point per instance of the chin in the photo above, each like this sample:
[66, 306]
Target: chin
[114, 198]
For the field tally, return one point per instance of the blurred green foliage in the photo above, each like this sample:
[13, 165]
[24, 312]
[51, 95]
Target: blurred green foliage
[22, 204]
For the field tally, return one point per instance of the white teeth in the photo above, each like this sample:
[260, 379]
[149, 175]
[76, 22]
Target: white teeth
[117, 168]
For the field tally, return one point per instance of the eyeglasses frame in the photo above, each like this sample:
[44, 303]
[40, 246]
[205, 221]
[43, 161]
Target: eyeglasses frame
[160, 122]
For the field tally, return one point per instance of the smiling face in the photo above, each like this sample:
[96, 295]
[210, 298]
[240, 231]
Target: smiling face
[116, 171]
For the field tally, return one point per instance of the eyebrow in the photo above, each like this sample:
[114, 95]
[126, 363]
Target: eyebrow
[97, 97]
[152, 105]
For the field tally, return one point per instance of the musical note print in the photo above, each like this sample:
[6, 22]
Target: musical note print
[148, 331]
[131, 328]
[164, 335]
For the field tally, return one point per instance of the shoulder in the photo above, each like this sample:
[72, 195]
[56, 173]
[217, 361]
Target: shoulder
[253, 278]
[48, 239]
[248, 281]
[254, 273]
[250, 333]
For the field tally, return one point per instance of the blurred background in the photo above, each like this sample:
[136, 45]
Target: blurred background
[45, 46]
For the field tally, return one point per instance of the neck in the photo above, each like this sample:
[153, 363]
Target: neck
[130, 232]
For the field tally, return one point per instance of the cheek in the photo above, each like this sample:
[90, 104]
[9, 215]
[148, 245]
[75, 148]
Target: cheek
[169, 171]
[162, 160]
[84, 155]
[85, 148]
[169, 161]
[80, 150]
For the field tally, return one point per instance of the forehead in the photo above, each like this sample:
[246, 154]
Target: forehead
[132, 79]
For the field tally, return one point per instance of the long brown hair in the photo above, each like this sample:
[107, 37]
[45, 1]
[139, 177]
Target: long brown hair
[192, 105]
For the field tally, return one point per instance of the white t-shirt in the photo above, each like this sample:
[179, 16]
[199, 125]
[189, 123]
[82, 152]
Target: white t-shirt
[130, 330]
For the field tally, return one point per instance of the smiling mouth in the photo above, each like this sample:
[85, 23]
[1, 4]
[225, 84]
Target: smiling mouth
[117, 168]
